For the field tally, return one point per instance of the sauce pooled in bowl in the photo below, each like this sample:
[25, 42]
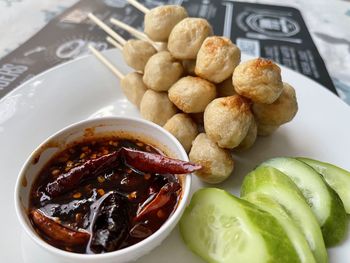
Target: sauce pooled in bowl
[105, 194]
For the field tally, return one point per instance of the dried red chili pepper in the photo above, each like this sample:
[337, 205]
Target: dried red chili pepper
[90, 169]
[142, 161]
[156, 163]
[161, 199]
[58, 232]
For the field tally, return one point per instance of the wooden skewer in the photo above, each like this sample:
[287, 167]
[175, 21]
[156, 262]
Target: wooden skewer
[114, 43]
[107, 29]
[108, 64]
[139, 6]
[131, 30]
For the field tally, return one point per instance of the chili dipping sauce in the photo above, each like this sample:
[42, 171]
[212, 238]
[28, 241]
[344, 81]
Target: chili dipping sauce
[110, 207]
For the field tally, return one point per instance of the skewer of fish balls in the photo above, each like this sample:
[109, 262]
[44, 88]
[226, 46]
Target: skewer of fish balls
[136, 52]
[154, 106]
[161, 69]
[160, 64]
[132, 84]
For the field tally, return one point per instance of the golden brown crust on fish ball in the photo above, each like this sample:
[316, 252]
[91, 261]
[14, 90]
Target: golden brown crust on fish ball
[217, 163]
[259, 80]
[227, 120]
[187, 37]
[133, 87]
[137, 52]
[280, 111]
[183, 128]
[156, 107]
[192, 94]
[217, 58]
[160, 20]
[162, 71]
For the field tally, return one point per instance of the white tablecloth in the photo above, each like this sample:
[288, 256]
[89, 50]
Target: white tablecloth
[328, 23]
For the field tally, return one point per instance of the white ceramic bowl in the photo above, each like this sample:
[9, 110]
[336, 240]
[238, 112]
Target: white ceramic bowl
[145, 131]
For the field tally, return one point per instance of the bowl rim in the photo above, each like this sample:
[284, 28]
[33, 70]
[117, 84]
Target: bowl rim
[170, 222]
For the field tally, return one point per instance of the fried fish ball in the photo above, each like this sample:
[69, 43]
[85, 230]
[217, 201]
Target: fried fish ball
[259, 80]
[137, 52]
[217, 163]
[266, 130]
[250, 138]
[227, 120]
[192, 94]
[189, 65]
[160, 20]
[156, 107]
[133, 87]
[187, 37]
[217, 58]
[183, 128]
[162, 71]
[226, 88]
[280, 111]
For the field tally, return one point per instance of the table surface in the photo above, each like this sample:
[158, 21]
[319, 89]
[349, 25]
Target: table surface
[328, 23]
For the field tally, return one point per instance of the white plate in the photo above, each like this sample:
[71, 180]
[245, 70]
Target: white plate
[84, 89]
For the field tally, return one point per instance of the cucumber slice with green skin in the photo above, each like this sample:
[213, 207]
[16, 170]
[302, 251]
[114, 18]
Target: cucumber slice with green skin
[222, 228]
[336, 177]
[279, 187]
[324, 202]
[297, 238]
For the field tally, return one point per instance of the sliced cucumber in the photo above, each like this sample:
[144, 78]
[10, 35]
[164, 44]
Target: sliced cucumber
[279, 187]
[222, 228]
[324, 202]
[297, 238]
[336, 177]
